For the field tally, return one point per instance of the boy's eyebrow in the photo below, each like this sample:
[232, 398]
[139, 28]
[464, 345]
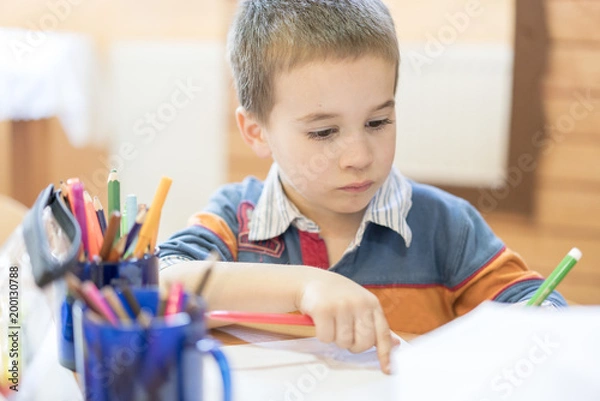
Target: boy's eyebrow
[313, 117]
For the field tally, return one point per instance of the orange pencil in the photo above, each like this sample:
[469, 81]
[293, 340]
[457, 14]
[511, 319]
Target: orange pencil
[111, 232]
[149, 230]
[94, 231]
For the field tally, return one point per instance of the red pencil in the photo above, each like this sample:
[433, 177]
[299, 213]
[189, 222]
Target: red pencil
[268, 318]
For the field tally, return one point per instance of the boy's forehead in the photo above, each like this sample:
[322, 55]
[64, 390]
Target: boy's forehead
[322, 84]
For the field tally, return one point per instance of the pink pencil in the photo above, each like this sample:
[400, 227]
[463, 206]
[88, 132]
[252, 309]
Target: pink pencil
[79, 206]
[93, 295]
[174, 299]
[268, 318]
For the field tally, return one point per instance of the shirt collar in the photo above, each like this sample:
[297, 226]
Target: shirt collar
[274, 212]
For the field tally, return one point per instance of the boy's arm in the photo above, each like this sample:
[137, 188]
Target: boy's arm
[484, 269]
[343, 311]
[505, 278]
[214, 229]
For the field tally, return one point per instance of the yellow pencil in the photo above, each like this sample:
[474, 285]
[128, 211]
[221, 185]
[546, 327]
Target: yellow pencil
[149, 230]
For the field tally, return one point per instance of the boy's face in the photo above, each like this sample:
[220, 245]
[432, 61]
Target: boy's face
[332, 131]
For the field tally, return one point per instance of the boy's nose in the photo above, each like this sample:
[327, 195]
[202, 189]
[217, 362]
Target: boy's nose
[357, 153]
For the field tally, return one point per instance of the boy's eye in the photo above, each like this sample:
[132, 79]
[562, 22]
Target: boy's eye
[323, 134]
[379, 124]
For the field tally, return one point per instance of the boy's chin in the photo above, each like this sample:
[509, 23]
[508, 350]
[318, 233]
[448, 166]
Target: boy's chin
[351, 208]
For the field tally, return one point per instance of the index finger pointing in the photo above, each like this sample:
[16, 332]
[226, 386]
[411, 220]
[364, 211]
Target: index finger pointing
[384, 341]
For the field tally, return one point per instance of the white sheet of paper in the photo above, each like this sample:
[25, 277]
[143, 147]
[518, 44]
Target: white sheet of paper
[301, 369]
[505, 353]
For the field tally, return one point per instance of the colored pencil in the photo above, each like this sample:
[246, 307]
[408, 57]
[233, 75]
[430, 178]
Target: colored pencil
[557, 275]
[69, 191]
[95, 236]
[100, 214]
[115, 303]
[149, 230]
[267, 318]
[144, 318]
[174, 299]
[135, 229]
[80, 216]
[111, 231]
[74, 286]
[93, 295]
[114, 196]
[132, 210]
[130, 300]
[212, 258]
[117, 250]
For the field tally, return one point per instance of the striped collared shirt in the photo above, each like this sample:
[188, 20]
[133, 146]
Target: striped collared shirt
[274, 212]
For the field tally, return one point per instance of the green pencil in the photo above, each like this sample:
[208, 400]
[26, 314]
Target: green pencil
[114, 196]
[555, 277]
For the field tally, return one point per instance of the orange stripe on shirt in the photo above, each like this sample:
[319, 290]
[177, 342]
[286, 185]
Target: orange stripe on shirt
[505, 270]
[421, 308]
[415, 310]
[219, 227]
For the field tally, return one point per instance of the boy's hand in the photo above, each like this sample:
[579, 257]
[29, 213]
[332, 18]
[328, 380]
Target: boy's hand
[348, 315]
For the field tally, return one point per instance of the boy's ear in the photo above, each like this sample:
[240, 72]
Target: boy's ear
[252, 133]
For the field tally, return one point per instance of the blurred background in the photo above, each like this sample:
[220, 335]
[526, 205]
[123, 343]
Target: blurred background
[498, 102]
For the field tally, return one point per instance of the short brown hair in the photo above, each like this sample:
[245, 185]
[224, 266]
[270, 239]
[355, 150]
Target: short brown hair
[273, 36]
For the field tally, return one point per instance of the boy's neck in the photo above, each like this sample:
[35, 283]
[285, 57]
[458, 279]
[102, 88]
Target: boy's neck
[331, 224]
[339, 225]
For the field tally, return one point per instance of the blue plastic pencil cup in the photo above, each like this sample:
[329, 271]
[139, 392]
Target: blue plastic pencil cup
[134, 272]
[160, 361]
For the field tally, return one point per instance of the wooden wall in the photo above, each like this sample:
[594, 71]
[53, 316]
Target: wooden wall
[567, 197]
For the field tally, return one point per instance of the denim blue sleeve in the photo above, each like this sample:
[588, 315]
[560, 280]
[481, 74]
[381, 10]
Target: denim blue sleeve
[479, 250]
[474, 245]
[198, 240]
[524, 290]
[193, 243]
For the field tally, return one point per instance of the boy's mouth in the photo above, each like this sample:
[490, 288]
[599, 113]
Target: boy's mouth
[357, 187]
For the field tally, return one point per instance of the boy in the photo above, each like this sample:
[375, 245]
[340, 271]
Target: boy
[316, 80]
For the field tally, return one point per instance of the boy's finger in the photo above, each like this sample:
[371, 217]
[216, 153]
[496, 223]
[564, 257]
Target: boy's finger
[324, 328]
[384, 341]
[344, 330]
[364, 333]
